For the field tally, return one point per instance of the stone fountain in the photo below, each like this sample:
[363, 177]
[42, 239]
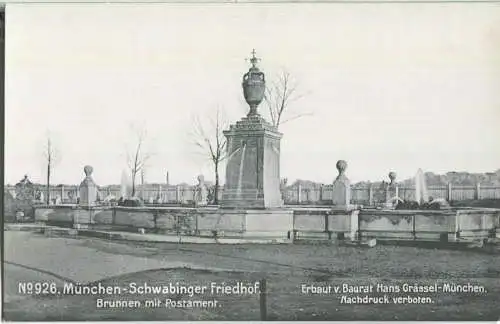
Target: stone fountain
[253, 167]
[124, 186]
[252, 210]
[422, 199]
[252, 182]
[421, 196]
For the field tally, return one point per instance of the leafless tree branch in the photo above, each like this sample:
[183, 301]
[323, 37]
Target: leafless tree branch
[279, 95]
[295, 117]
[50, 153]
[210, 141]
[137, 159]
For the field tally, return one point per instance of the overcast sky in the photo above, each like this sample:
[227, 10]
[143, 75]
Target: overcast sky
[393, 87]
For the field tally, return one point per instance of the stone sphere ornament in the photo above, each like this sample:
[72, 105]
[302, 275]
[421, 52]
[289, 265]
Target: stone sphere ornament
[341, 167]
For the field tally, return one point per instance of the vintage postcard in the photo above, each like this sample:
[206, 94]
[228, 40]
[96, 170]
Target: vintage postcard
[246, 161]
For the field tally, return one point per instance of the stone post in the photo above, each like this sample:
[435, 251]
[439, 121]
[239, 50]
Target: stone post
[391, 188]
[341, 195]
[201, 194]
[88, 188]
[449, 194]
[177, 194]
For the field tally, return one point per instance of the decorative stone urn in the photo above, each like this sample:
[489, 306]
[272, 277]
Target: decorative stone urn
[253, 153]
[254, 86]
[392, 177]
[391, 192]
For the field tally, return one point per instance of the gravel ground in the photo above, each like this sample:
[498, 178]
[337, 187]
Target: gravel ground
[285, 267]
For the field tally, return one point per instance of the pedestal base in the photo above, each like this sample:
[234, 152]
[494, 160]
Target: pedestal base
[246, 223]
[249, 199]
[253, 165]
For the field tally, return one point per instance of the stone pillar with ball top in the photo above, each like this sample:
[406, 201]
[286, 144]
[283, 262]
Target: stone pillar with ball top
[88, 189]
[391, 189]
[201, 192]
[341, 195]
[253, 148]
[343, 215]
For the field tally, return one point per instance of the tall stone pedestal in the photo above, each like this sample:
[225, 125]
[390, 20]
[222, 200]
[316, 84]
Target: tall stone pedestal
[88, 189]
[341, 195]
[253, 165]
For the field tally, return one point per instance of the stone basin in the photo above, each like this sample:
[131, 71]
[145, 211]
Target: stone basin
[325, 223]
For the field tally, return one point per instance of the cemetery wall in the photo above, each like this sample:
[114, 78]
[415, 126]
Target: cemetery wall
[292, 195]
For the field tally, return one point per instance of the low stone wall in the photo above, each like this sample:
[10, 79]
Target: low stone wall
[406, 224]
[477, 222]
[298, 223]
[325, 223]
[200, 221]
[424, 225]
[449, 225]
[70, 214]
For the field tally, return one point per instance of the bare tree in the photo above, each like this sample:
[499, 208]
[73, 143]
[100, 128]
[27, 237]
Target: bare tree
[142, 182]
[279, 95]
[137, 158]
[50, 159]
[211, 142]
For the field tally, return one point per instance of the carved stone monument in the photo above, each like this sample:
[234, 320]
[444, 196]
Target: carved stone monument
[341, 195]
[253, 145]
[88, 188]
[201, 193]
[25, 189]
[25, 194]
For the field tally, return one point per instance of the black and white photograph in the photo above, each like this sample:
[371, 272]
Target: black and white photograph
[250, 161]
